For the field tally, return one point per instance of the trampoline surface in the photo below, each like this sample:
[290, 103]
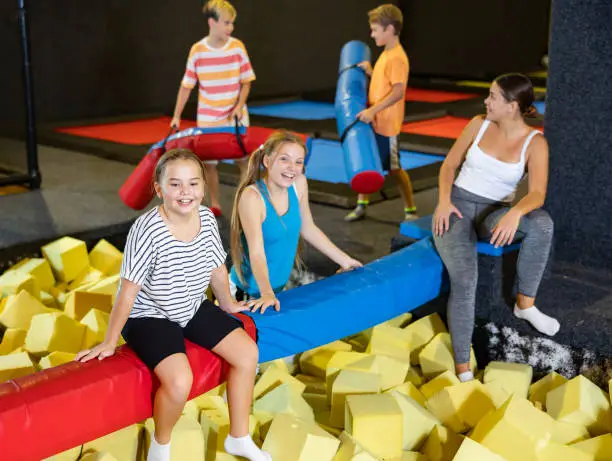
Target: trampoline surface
[441, 127]
[300, 110]
[436, 96]
[134, 133]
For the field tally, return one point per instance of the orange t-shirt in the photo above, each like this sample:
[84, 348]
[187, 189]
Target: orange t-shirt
[391, 67]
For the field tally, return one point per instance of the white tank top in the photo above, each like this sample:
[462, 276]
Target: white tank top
[488, 177]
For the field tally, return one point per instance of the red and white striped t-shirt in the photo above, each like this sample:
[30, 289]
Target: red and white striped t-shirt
[220, 73]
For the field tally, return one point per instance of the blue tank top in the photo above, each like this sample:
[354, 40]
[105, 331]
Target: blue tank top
[281, 235]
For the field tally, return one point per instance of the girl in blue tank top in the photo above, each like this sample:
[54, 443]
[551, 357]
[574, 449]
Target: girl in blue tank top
[270, 213]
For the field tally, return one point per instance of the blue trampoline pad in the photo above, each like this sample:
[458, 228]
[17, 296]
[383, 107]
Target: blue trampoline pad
[541, 106]
[326, 161]
[298, 110]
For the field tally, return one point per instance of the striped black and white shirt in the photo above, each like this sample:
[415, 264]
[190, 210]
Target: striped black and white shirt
[173, 274]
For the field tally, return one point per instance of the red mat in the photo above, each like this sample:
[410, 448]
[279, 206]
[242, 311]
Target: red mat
[442, 127]
[137, 132]
[424, 95]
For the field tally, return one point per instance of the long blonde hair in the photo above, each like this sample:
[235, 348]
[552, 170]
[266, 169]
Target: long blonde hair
[256, 171]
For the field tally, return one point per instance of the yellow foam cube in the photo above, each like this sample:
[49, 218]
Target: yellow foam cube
[79, 303]
[40, 269]
[422, 331]
[12, 282]
[462, 406]
[350, 450]
[437, 356]
[279, 364]
[108, 285]
[313, 385]
[122, 444]
[216, 427]
[568, 433]
[579, 401]
[54, 332]
[412, 456]
[599, 447]
[389, 340]
[211, 402]
[98, 456]
[291, 438]
[411, 391]
[557, 452]
[11, 340]
[318, 402]
[282, 399]
[339, 361]
[88, 277]
[15, 365]
[96, 323]
[392, 371]
[517, 430]
[106, 258]
[415, 376]
[375, 421]
[515, 377]
[274, 377]
[19, 310]
[187, 439]
[67, 256]
[314, 362]
[48, 300]
[499, 395]
[350, 382]
[472, 451]
[55, 359]
[442, 444]
[69, 455]
[417, 421]
[446, 379]
[539, 389]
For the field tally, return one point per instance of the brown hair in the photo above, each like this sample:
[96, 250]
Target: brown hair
[518, 88]
[387, 15]
[255, 172]
[173, 155]
[213, 9]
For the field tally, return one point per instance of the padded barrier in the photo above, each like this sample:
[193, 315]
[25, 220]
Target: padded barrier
[207, 143]
[422, 228]
[362, 161]
[347, 303]
[63, 407]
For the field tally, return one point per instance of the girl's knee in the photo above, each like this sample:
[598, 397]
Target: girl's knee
[541, 222]
[249, 356]
[178, 384]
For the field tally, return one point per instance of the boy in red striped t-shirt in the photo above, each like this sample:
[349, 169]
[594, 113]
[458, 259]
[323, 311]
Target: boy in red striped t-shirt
[221, 66]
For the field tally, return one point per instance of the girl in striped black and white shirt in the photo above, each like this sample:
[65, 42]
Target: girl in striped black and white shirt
[172, 254]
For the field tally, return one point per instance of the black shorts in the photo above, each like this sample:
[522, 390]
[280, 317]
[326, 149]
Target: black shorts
[388, 149]
[154, 339]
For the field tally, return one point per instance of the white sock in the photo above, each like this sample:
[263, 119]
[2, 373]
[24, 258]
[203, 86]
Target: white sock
[157, 451]
[245, 447]
[465, 376]
[540, 321]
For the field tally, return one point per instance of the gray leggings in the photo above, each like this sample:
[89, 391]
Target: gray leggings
[457, 248]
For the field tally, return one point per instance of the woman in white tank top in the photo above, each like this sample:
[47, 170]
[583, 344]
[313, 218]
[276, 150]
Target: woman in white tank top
[493, 154]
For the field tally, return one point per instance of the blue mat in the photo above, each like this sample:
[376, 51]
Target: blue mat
[297, 110]
[421, 229]
[345, 304]
[326, 161]
[541, 106]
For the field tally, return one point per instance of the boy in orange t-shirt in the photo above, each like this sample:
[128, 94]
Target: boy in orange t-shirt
[386, 95]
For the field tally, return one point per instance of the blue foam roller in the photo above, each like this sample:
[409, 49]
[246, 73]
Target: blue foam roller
[362, 161]
[347, 303]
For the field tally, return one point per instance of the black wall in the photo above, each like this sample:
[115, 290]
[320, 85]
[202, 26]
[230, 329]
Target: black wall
[579, 131]
[99, 58]
[475, 38]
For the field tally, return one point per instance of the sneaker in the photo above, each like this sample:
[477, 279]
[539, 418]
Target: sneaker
[411, 216]
[356, 215]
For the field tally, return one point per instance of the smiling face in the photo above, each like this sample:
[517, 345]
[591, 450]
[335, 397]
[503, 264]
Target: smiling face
[497, 106]
[285, 165]
[181, 186]
[381, 34]
[223, 28]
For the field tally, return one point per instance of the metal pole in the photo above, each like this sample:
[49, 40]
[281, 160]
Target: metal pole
[31, 144]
